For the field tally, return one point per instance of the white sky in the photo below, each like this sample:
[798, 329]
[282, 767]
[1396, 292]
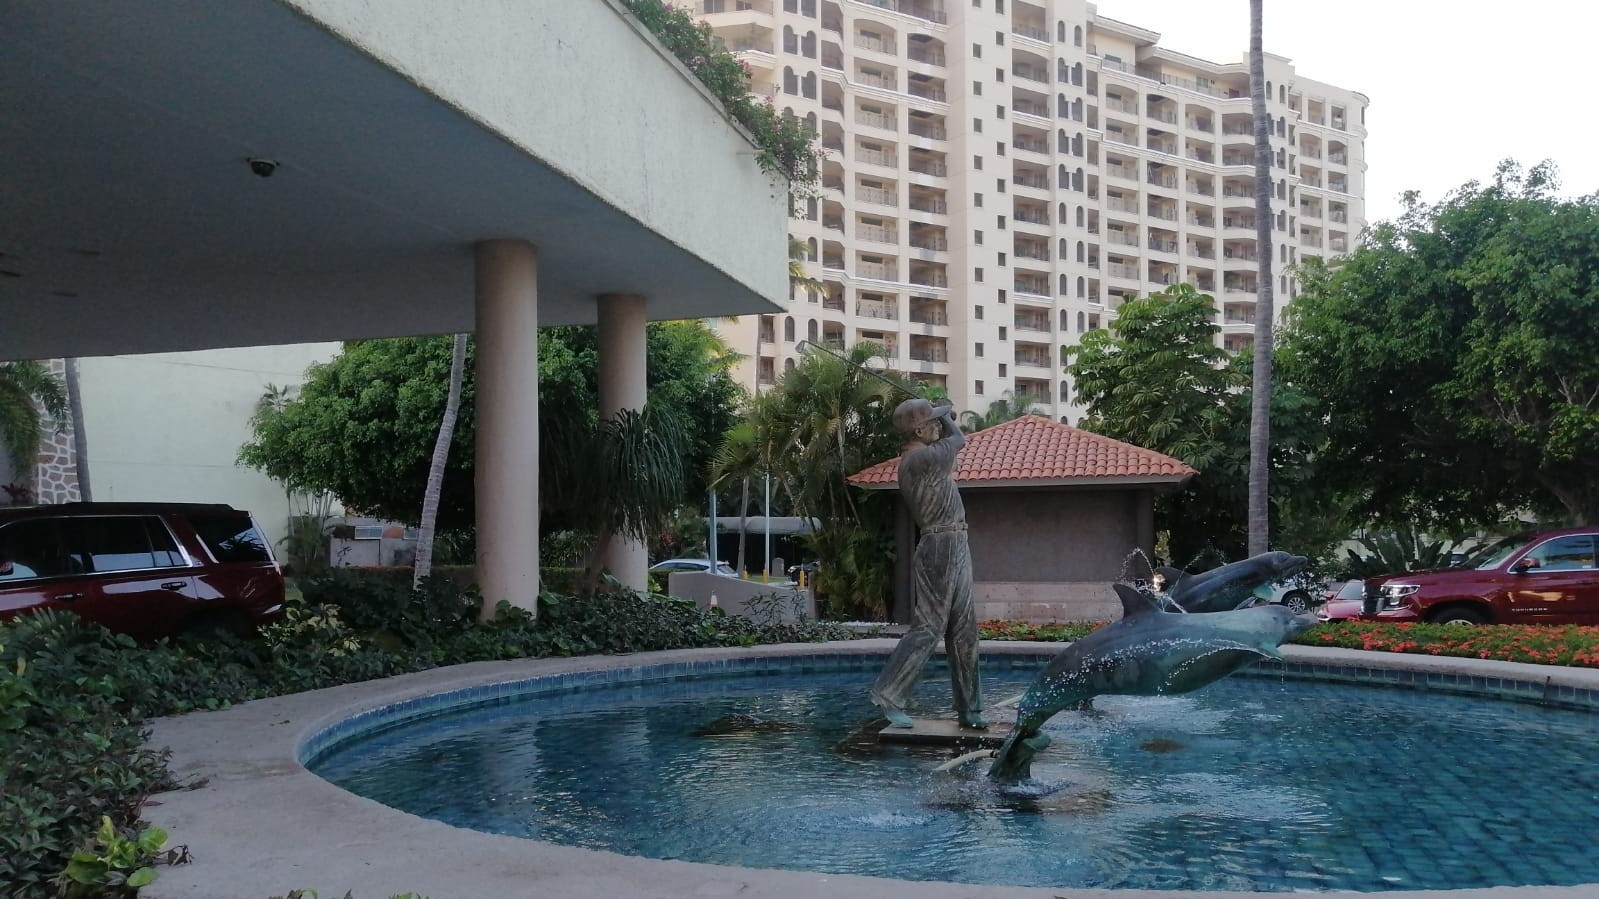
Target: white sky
[1454, 86]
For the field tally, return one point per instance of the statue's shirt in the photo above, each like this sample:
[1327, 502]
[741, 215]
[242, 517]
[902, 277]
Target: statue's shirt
[927, 481]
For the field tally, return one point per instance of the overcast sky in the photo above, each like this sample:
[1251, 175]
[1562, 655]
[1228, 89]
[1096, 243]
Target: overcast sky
[1455, 87]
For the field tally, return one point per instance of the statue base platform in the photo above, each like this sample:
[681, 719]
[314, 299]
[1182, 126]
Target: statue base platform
[946, 732]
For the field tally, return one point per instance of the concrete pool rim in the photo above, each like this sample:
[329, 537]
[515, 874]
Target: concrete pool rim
[261, 816]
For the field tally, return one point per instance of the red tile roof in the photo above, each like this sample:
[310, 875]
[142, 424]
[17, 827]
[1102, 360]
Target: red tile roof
[1037, 451]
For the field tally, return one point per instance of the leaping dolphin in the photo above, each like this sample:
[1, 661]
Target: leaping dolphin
[1230, 586]
[1148, 652]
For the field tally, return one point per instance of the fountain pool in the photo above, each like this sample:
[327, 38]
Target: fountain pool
[1260, 782]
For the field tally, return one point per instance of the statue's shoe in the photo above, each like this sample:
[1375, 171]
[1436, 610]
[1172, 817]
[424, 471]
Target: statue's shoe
[897, 717]
[973, 721]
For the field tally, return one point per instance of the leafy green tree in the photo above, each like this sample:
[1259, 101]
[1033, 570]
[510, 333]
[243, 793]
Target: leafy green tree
[1006, 408]
[25, 388]
[363, 423]
[1456, 352]
[825, 420]
[1156, 379]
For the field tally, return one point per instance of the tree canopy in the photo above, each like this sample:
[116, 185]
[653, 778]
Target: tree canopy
[25, 388]
[1156, 379]
[362, 425]
[1456, 355]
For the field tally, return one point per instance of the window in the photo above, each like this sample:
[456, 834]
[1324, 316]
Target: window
[1002, 223]
[977, 350]
[977, 88]
[999, 74]
[977, 312]
[1565, 553]
[231, 538]
[977, 199]
[999, 184]
[999, 38]
[999, 147]
[1003, 333]
[978, 389]
[978, 275]
[999, 111]
[977, 125]
[1002, 368]
[977, 163]
[1002, 259]
[128, 543]
[33, 548]
[977, 238]
[1002, 296]
[977, 51]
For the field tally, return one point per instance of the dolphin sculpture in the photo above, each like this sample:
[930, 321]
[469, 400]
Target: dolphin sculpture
[1148, 652]
[1230, 586]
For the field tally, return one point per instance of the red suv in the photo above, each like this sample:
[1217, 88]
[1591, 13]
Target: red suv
[145, 569]
[1544, 578]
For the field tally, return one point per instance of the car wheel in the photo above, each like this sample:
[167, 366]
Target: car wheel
[1297, 602]
[1460, 616]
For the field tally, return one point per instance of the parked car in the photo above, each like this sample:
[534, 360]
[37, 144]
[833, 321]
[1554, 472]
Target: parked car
[1345, 603]
[702, 565]
[145, 569]
[1298, 593]
[1544, 578]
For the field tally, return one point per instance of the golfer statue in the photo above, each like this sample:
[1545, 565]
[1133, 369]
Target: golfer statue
[942, 564]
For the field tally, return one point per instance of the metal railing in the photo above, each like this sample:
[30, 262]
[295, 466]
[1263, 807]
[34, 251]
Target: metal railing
[877, 234]
[937, 244]
[872, 309]
[875, 43]
[932, 131]
[930, 168]
[1121, 237]
[1122, 137]
[922, 54]
[929, 317]
[930, 279]
[877, 157]
[1119, 103]
[936, 207]
[877, 270]
[877, 195]
[1164, 214]
[1162, 246]
[1037, 34]
[876, 120]
[1030, 73]
[1163, 115]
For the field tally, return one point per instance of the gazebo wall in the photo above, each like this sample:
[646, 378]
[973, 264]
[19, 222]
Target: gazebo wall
[1051, 554]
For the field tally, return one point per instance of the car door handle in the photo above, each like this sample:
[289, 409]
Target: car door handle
[67, 597]
[174, 585]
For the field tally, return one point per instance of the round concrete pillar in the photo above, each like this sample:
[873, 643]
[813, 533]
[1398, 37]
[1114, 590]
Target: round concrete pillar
[622, 385]
[507, 410]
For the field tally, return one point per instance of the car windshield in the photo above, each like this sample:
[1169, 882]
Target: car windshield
[1494, 554]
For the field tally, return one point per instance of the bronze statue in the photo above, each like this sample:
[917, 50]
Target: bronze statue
[942, 566]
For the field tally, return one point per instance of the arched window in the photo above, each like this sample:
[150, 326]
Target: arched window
[1082, 322]
[1077, 74]
[1082, 291]
[1060, 214]
[790, 40]
[1283, 280]
[1065, 394]
[790, 81]
[1062, 142]
[810, 249]
[1065, 285]
[1065, 249]
[1077, 144]
[1077, 179]
[810, 120]
[788, 365]
[808, 8]
[1283, 248]
[808, 46]
[810, 331]
[1077, 109]
[1077, 35]
[1082, 252]
[1282, 93]
[1268, 89]
[1063, 108]
[1060, 32]
[788, 328]
[1080, 219]
[811, 208]
[810, 86]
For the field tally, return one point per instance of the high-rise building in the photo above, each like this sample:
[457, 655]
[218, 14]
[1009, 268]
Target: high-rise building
[1002, 175]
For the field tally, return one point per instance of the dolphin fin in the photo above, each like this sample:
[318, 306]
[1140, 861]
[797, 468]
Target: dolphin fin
[1174, 577]
[1133, 602]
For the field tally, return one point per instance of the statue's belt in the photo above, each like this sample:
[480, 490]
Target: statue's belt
[945, 528]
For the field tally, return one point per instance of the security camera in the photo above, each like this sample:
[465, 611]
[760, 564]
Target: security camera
[263, 167]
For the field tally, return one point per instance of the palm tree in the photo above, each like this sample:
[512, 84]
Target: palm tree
[798, 253]
[441, 455]
[739, 458]
[1006, 408]
[1265, 309]
[25, 389]
[80, 436]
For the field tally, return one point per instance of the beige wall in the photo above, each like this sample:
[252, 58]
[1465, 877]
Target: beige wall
[1050, 535]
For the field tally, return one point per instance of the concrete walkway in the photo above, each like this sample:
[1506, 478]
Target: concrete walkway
[259, 824]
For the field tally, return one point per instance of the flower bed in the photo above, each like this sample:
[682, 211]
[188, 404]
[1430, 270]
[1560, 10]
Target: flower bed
[1569, 645]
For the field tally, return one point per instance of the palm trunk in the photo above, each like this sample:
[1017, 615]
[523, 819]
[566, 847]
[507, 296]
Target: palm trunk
[441, 455]
[80, 435]
[1265, 309]
[743, 522]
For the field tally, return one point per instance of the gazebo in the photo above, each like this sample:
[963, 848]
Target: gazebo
[1054, 513]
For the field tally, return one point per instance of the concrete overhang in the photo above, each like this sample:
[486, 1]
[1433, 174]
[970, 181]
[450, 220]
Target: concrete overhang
[404, 132]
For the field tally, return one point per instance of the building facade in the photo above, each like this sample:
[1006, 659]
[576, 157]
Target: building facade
[1002, 175]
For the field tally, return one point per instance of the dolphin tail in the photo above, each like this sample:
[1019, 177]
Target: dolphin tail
[1014, 760]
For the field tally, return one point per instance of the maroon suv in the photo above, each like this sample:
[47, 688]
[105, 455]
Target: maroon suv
[145, 569]
[1544, 578]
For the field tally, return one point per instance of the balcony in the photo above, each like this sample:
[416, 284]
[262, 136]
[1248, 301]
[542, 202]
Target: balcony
[1122, 171]
[936, 244]
[929, 317]
[1204, 156]
[1033, 360]
[929, 354]
[1338, 216]
[1031, 73]
[930, 279]
[1200, 188]
[1163, 115]
[1122, 137]
[1032, 145]
[936, 132]
[1238, 192]
[877, 157]
[1030, 217]
[1200, 252]
[1026, 251]
[1121, 105]
[877, 309]
[1033, 109]
[1206, 125]
[926, 91]
[1339, 158]
[877, 234]
[1037, 285]
[876, 120]
[1169, 215]
[881, 82]
[880, 271]
[1240, 255]
[930, 55]
[1036, 32]
[929, 204]
[877, 195]
[1160, 180]
[1203, 221]
[1117, 270]
[1305, 212]
[927, 167]
[1022, 179]
[1121, 237]
[1162, 246]
[876, 44]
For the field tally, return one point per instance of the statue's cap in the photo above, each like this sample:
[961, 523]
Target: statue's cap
[912, 414]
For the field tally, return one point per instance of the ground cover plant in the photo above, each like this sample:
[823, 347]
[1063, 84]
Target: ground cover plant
[1570, 645]
[74, 696]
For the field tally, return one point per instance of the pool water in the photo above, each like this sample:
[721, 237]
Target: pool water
[1253, 783]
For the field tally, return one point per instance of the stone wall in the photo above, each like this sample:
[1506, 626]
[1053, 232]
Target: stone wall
[56, 472]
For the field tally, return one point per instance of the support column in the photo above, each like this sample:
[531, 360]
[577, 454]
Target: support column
[622, 385]
[507, 411]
